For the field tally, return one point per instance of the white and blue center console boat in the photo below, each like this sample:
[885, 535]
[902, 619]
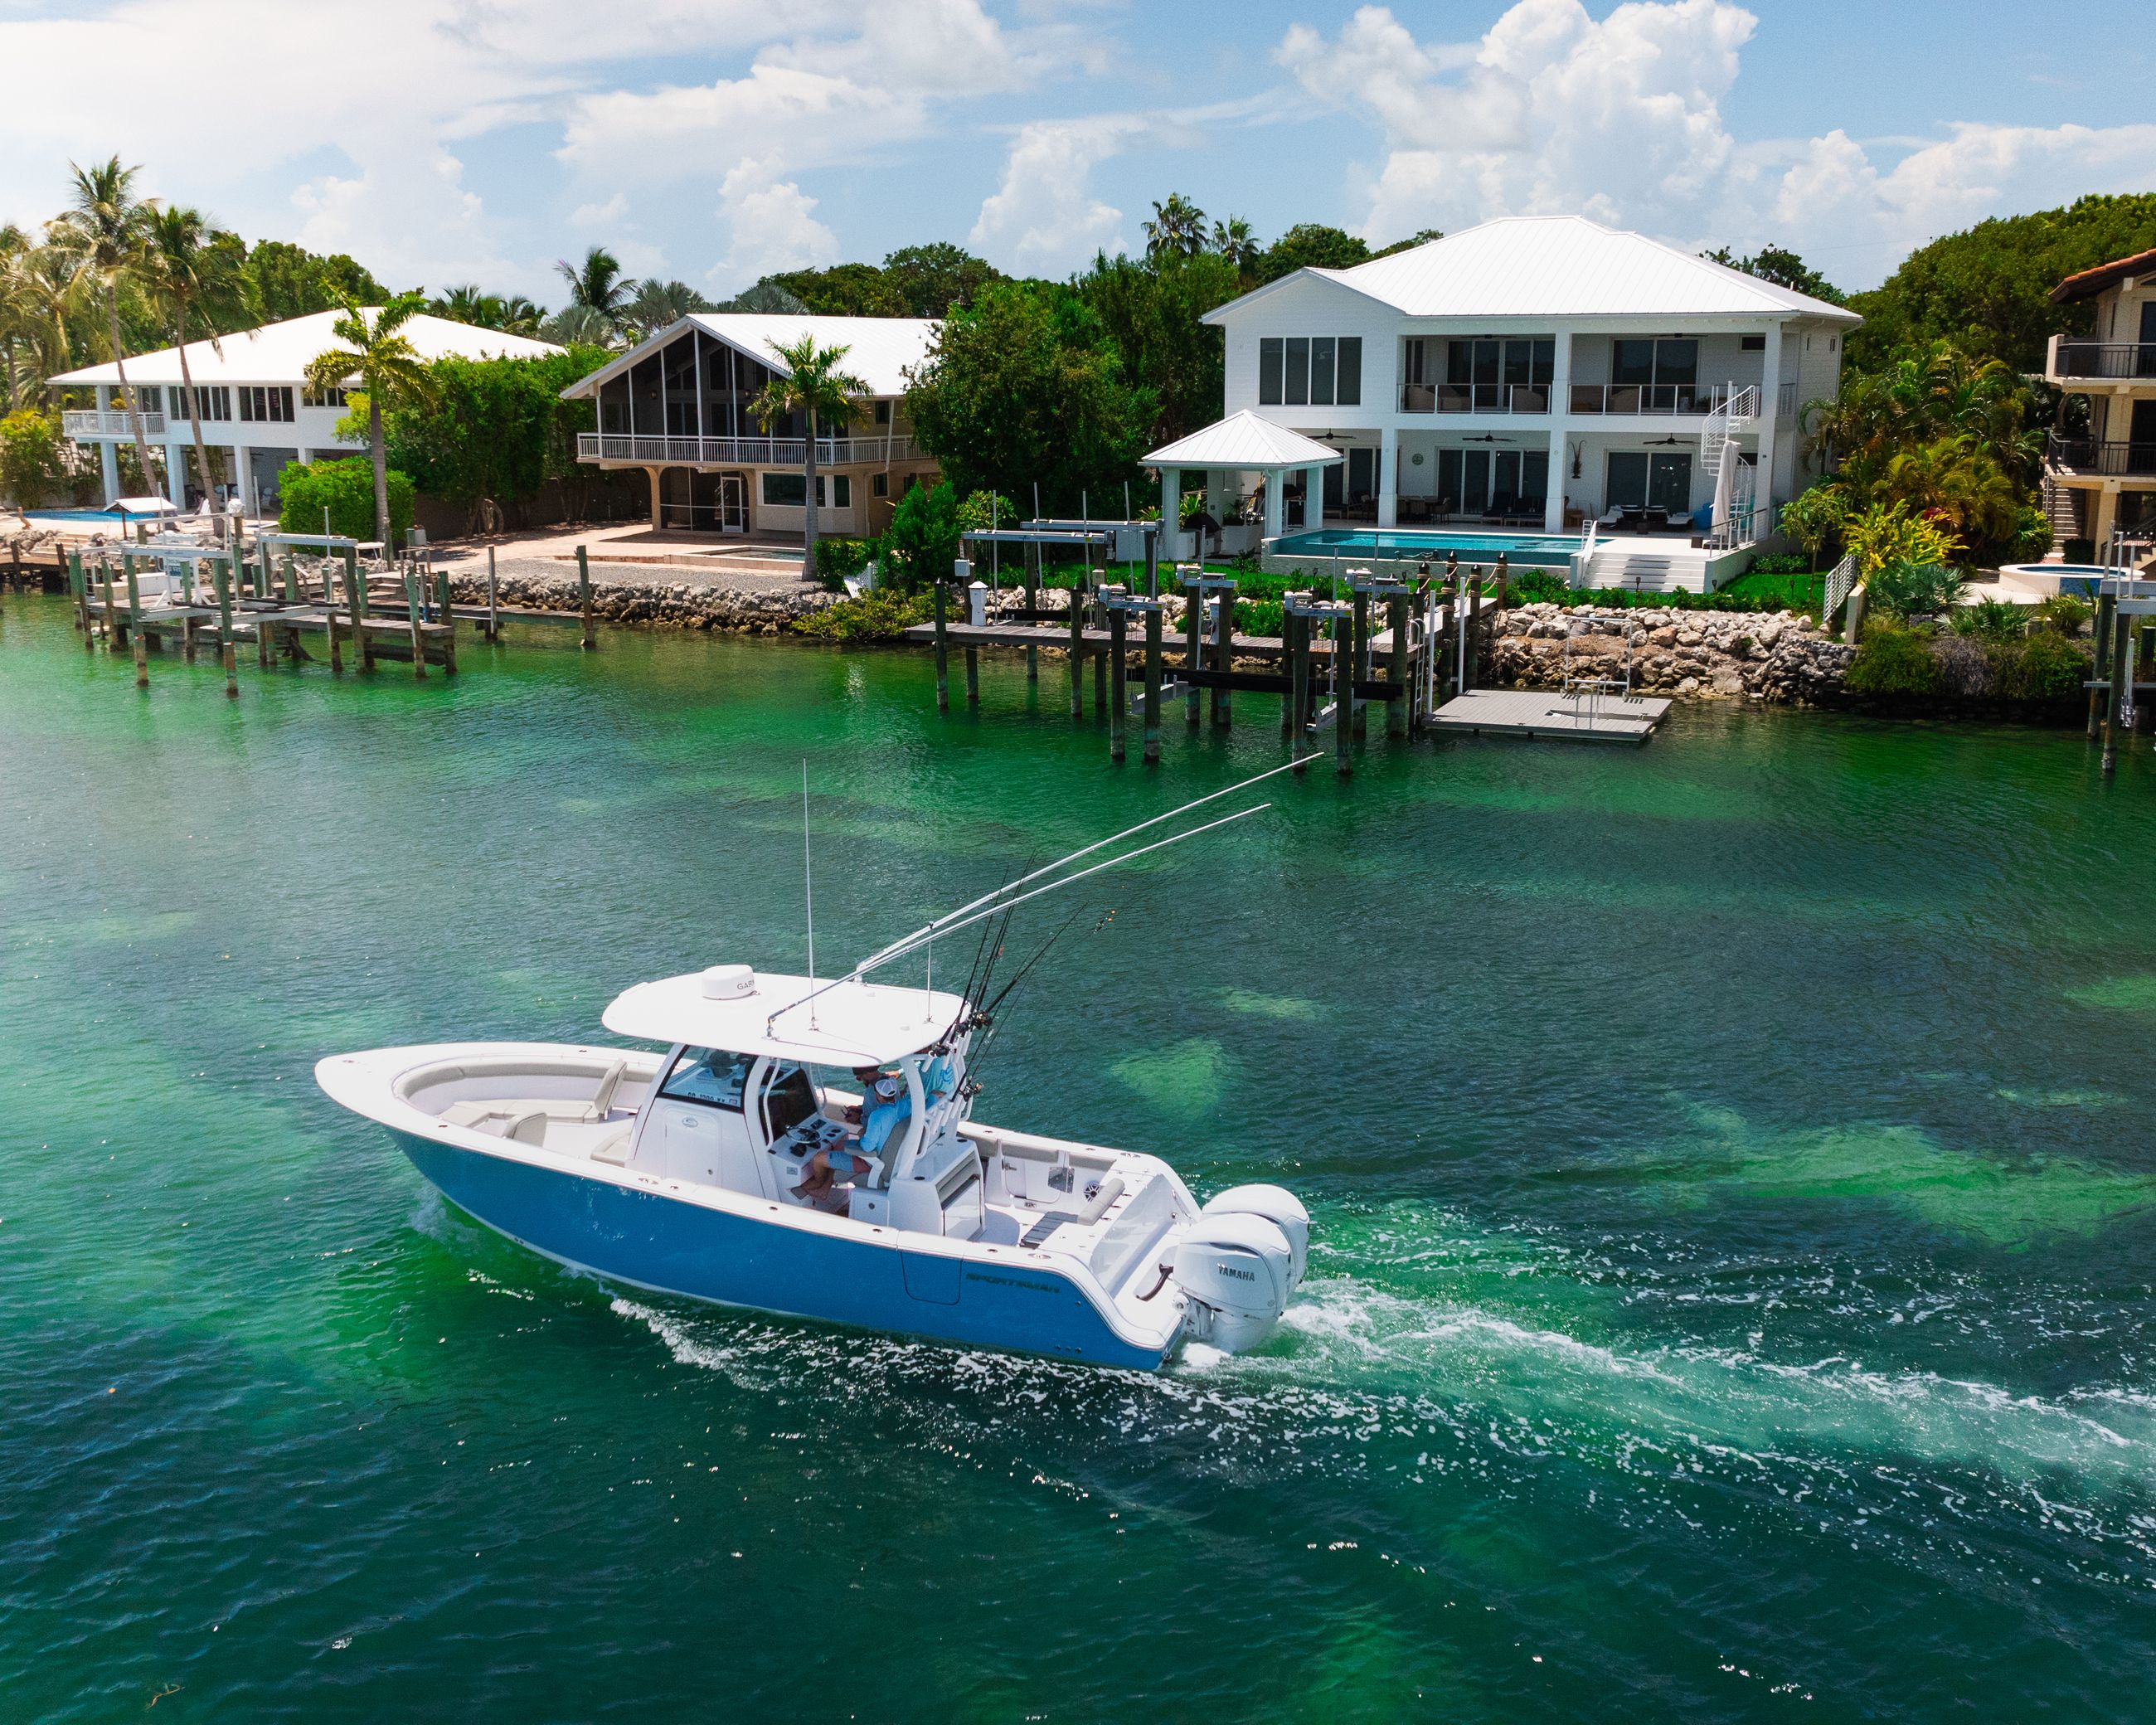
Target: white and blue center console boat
[695, 1173]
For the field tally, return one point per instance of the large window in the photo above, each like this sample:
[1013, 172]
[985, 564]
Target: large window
[1499, 482]
[266, 403]
[790, 491]
[1643, 478]
[1309, 370]
[1498, 375]
[214, 401]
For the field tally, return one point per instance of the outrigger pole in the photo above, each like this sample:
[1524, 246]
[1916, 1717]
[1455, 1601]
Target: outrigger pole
[1000, 902]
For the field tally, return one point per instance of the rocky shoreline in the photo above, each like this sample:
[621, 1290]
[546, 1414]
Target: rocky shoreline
[1767, 656]
[1770, 656]
[659, 605]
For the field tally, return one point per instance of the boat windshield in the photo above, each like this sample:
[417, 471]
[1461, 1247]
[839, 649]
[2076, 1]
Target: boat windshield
[709, 1076]
[788, 1099]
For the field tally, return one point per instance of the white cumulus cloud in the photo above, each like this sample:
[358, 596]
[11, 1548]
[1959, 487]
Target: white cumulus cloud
[1043, 218]
[1623, 119]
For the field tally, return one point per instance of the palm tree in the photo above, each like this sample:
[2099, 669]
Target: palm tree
[812, 386]
[379, 360]
[102, 232]
[38, 297]
[576, 326]
[1234, 241]
[599, 283]
[655, 305]
[186, 271]
[1177, 227]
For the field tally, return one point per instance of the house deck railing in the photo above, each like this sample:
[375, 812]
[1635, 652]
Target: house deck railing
[2069, 358]
[80, 423]
[1679, 399]
[2085, 455]
[741, 451]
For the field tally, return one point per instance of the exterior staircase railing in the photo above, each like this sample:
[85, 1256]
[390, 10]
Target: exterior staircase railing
[1839, 579]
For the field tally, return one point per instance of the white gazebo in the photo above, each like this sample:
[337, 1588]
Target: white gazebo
[1244, 443]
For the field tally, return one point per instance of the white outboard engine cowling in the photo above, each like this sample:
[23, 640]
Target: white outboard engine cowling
[1236, 1270]
[1278, 1206]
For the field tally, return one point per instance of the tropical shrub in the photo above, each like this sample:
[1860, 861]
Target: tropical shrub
[1538, 586]
[2046, 667]
[32, 460]
[986, 509]
[1965, 667]
[1815, 519]
[882, 615]
[2066, 611]
[1906, 589]
[346, 488]
[1990, 620]
[923, 540]
[1893, 660]
[1894, 533]
[838, 558]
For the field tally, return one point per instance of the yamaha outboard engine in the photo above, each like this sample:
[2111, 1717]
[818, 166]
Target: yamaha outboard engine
[1242, 1257]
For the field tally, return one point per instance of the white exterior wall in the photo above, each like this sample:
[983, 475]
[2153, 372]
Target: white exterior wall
[1809, 356]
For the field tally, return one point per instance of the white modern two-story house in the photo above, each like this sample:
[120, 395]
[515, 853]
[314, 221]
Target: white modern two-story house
[1534, 373]
[251, 395]
[2104, 480]
[679, 405]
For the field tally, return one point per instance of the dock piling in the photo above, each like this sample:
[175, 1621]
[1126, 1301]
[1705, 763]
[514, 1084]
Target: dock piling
[492, 610]
[134, 628]
[1223, 656]
[1078, 650]
[1396, 668]
[412, 617]
[1153, 679]
[1193, 650]
[1118, 690]
[1347, 651]
[222, 575]
[2114, 694]
[2105, 607]
[448, 623]
[943, 647]
[588, 640]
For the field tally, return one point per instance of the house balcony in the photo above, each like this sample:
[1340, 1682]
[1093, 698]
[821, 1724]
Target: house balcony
[2069, 361]
[741, 451]
[2088, 458]
[1474, 397]
[91, 425]
[1680, 401]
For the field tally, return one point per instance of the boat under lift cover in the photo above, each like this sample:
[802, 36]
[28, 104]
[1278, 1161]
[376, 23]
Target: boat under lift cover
[850, 1023]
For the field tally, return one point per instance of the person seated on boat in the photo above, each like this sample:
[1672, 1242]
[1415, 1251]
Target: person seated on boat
[886, 1104]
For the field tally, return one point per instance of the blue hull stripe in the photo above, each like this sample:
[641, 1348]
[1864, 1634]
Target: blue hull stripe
[659, 1242]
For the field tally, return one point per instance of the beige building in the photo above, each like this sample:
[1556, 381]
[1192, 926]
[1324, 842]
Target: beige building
[2105, 477]
[680, 407]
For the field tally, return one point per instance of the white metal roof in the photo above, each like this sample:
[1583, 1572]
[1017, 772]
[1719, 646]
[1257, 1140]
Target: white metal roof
[1559, 266]
[850, 1024]
[879, 351]
[1244, 441]
[279, 352]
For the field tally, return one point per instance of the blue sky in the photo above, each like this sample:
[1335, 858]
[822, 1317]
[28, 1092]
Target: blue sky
[448, 140]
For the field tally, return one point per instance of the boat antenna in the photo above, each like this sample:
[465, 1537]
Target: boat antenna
[938, 925]
[808, 895]
[899, 949]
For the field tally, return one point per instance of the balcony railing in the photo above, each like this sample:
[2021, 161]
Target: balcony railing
[1668, 399]
[85, 423]
[2103, 359]
[741, 451]
[1474, 397]
[2083, 455]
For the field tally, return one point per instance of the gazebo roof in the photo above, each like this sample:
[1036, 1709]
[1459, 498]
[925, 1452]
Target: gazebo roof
[1244, 441]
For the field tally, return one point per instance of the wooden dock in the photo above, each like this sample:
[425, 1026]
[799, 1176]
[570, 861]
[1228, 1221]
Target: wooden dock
[1542, 712]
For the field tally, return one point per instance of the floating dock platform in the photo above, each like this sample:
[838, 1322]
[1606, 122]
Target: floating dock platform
[1541, 712]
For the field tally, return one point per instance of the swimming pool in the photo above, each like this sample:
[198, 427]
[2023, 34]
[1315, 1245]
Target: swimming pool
[107, 516]
[1553, 551]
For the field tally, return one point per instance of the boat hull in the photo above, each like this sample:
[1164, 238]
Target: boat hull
[675, 1246]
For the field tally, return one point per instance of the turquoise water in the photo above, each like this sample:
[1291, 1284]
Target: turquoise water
[1550, 550]
[1731, 1159]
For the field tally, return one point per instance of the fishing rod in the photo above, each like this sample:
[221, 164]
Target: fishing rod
[949, 916]
[913, 943]
[989, 1016]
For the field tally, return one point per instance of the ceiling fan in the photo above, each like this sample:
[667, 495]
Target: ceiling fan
[1659, 443]
[1487, 436]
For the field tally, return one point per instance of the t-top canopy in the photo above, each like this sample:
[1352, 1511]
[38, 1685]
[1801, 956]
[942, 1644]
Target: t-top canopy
[850, 1023]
